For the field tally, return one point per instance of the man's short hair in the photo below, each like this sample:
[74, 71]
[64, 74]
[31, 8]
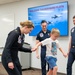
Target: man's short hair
[73, 16]
[43, 21]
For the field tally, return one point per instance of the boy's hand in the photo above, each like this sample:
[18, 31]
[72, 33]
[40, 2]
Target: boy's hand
[65, 54]
[33, 50]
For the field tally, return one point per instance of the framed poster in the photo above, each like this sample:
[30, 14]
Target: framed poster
[56, 16]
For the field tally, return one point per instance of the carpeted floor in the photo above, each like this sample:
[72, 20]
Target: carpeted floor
[25, 72]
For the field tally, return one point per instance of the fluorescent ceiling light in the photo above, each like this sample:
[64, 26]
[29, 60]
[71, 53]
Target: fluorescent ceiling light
[7, 20]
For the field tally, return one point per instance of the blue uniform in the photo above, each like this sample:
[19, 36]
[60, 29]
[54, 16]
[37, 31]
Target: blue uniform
[71, 56]
[42, 36]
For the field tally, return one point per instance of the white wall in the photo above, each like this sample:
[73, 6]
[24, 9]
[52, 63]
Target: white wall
[19, 9]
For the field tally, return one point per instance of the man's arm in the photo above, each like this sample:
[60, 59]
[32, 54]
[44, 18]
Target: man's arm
[37, 54]
[69, 45]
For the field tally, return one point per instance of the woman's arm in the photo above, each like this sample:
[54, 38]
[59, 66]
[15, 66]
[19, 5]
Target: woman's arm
[12, 37]
[23, 49]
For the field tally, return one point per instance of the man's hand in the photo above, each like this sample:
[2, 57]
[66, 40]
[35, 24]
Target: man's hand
[37, 56]
[68, 53]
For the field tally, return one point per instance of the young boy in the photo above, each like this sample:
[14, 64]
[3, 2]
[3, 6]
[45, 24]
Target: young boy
[52, 44]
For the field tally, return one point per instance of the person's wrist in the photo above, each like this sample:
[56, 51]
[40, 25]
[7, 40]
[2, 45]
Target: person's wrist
[36, 47]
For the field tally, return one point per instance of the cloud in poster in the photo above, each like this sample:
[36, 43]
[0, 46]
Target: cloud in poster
[45, 11]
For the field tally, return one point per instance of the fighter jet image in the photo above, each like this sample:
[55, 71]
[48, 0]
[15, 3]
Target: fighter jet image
[49, 22]
[56, 16]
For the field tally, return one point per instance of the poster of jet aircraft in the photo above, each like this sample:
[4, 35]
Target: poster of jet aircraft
[55, 14]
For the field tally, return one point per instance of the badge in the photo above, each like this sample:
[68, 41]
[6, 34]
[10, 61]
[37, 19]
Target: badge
[19, 39]
[41, 35]
[48, 33]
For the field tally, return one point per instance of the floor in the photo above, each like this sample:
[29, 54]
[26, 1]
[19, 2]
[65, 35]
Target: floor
[25, 72]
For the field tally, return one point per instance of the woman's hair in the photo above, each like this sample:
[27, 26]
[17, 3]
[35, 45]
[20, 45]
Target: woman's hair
[73, 16]
[27, 23]
[55, 30]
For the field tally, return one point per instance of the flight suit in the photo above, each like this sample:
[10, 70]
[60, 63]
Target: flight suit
[42, 36]
[71, 56]
[13, 44]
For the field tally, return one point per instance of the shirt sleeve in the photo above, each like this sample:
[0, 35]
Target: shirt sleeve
[58, 45]
[24, 49]
[71, 32]
[38, 38]
[12, 37]
[45, 42]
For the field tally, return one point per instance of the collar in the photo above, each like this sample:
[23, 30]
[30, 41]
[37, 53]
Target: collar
[18, 29]
[44, 32]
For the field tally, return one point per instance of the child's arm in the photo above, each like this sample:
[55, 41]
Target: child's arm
[44, 42]
[36, 46]
[64, 54]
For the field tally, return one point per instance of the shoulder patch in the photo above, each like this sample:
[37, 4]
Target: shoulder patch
[16, 31]
[41, 34]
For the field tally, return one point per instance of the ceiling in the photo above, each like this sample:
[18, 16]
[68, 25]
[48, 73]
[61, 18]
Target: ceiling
[8, 1]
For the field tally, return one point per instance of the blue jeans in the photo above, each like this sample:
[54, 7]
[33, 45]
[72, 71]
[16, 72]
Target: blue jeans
[52, 61]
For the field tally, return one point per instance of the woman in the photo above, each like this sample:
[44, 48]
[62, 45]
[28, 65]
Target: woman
[14, 44]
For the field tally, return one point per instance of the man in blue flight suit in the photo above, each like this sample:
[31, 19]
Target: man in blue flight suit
[42, 35]
[71, 51]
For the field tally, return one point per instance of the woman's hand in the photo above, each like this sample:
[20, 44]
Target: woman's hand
[11, 65]
[34, 49]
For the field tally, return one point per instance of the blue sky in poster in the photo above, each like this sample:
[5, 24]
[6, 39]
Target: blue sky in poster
[55, 14]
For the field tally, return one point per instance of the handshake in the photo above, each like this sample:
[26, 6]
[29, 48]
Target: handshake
[28, 46]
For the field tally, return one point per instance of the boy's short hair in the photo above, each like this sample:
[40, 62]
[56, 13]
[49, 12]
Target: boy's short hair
[55, 30]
